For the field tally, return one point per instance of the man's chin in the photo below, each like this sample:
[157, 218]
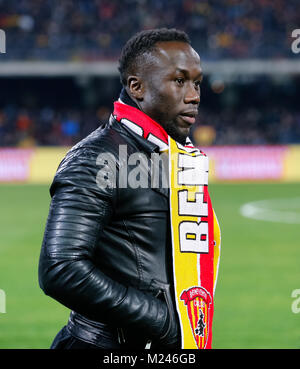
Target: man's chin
[179, 136]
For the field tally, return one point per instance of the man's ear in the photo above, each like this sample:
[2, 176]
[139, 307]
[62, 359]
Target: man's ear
[136, 87]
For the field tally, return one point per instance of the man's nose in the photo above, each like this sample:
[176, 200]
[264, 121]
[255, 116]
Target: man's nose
[192, 94]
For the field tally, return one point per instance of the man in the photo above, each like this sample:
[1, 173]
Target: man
[110, 250]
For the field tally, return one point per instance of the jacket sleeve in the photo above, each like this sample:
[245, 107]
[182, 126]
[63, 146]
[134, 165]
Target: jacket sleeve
[78, 212]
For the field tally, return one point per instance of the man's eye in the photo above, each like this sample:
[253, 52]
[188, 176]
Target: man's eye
[180, 81]
[197, 83]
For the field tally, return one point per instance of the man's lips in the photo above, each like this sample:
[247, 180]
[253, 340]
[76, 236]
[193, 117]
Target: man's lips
[189, 116]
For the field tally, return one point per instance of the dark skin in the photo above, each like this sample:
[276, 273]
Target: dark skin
[166, 87]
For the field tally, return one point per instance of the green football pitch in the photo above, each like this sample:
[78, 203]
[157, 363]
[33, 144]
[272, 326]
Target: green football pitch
[255, 306]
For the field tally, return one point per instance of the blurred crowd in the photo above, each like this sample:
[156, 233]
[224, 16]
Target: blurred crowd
[46, 126]
[247, 126]
[86, 30]
[97, 29]
[49, 127]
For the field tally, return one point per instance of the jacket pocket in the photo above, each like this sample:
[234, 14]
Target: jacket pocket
[163, 291]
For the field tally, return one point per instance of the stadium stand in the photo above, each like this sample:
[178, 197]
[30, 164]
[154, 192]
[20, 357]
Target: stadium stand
[97, 29]
[44, 101]
[45, 112]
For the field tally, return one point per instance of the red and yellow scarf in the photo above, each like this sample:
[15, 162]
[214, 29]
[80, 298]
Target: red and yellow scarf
[195, 230]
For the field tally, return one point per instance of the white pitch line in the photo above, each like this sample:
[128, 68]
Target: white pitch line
[273, 210]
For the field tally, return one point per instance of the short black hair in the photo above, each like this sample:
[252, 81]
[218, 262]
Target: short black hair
[144, 42]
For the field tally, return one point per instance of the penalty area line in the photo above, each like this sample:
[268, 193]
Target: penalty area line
[273, 210]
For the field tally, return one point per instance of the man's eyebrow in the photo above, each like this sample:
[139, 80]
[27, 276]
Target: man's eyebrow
[185, 72]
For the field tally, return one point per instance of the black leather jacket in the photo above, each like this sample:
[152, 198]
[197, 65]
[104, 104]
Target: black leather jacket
[106, 252]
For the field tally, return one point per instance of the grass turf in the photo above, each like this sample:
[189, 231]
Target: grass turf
[259, 269]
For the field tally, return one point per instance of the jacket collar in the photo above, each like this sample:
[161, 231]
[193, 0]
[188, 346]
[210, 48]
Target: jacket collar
[144, 145]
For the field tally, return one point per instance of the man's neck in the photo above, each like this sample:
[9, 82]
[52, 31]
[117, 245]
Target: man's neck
[127, 99]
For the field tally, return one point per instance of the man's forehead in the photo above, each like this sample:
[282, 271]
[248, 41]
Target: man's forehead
[175, 51]
[176, 54]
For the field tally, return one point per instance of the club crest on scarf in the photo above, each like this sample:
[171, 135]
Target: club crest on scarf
[197, 301]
